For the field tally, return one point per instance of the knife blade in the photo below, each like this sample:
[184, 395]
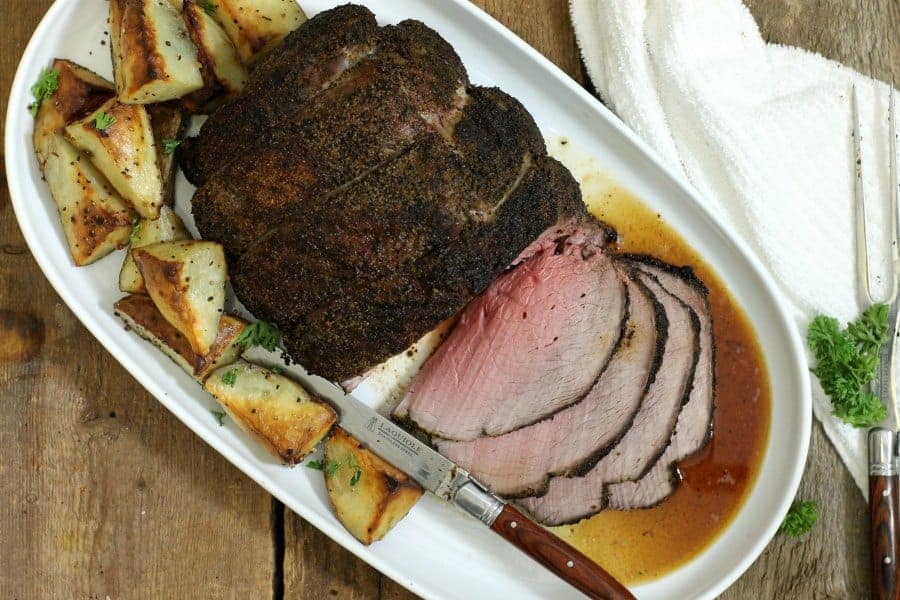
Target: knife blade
[444, 478]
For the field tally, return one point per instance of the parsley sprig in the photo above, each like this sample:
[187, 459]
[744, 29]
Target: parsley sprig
[331, 467]
[220, 417]
[208, 7]
[45, 86]
[135, 230]
[847, 361]
[229, 377]
[259, 333]
[800, 518]
[103, 120]
[169, 145]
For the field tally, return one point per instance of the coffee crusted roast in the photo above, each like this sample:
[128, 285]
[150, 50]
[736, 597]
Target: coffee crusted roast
[364, 192]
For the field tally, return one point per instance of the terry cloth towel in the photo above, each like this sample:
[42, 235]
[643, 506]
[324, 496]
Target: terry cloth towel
[763, 131]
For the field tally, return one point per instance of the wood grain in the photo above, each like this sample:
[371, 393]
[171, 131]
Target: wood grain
[104, 493]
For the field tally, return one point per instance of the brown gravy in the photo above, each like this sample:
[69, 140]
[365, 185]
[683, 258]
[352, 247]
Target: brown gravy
[640, 545]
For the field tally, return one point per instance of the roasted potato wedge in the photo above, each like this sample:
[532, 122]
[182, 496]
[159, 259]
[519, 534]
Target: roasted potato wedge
[124, 151]
[369, 495]
[142, 316]
[273, 408]
[186, 280]
[257, 26]
[94, 217]
[224, 75]
[165, 228]
[153, 57]
[169, 120]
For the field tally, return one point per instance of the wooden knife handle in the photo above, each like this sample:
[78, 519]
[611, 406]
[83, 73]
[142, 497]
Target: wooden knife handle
[883, 510]
[558, 556]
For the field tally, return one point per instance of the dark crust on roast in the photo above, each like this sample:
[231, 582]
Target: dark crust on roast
[367, 117]
[277, 86]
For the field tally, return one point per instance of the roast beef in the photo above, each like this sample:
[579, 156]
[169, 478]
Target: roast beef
[570, 499]
[363, 120]
[531, 345]
[574, 439]
[378, 197]
[694, 425]
[306, 62]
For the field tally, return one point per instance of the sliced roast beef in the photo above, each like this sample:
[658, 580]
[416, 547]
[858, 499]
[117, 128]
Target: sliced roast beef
[354, 277]
[694, 425]
[532, 344]
[306, 62]
[569, 499]
[520, 462]
[363, 120]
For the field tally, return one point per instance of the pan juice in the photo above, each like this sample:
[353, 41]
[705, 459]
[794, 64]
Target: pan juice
[641, 545]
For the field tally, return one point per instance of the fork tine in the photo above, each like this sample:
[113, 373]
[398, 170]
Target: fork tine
[895, 208]
[862, 257]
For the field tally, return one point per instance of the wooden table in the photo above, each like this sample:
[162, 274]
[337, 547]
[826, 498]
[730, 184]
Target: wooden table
[103, 493]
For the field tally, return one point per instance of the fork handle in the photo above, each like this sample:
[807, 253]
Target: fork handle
[883, 498]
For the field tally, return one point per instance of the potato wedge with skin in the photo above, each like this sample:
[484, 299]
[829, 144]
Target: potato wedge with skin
[124, 152]
[257, 26]
[153, 57]
[224, 74]
[277, 411]
[141, 315]
[92, 214]
[186, 281]
[369, 496]
[166, 228]
[169, 121]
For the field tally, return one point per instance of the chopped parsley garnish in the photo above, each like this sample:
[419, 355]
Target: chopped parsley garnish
[208, 7]
[45, 86]
[332, 467]
[277, 370]
[103, 120]
[169, 145]
[800, 518]
[261, 334]
[356, 475]
[220, 417]
[315, 464]
[847, 361]
[229, 377]
[135, 230]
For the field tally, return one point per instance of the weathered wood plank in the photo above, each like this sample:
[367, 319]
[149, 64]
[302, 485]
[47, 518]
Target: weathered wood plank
[105, 494]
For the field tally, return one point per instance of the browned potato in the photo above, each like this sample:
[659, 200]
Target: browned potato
[153, 57]
[118, 138]
[369, 495]
[257, 26]
[169, 121]
[273, 408]
[94, 217]
[166, 228]
[186, 280]
[142, 316]
[224, 75]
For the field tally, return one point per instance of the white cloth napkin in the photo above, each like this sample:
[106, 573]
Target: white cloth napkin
[764, 133]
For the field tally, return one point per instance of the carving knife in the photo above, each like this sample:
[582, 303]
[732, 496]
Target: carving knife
[441, 476]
